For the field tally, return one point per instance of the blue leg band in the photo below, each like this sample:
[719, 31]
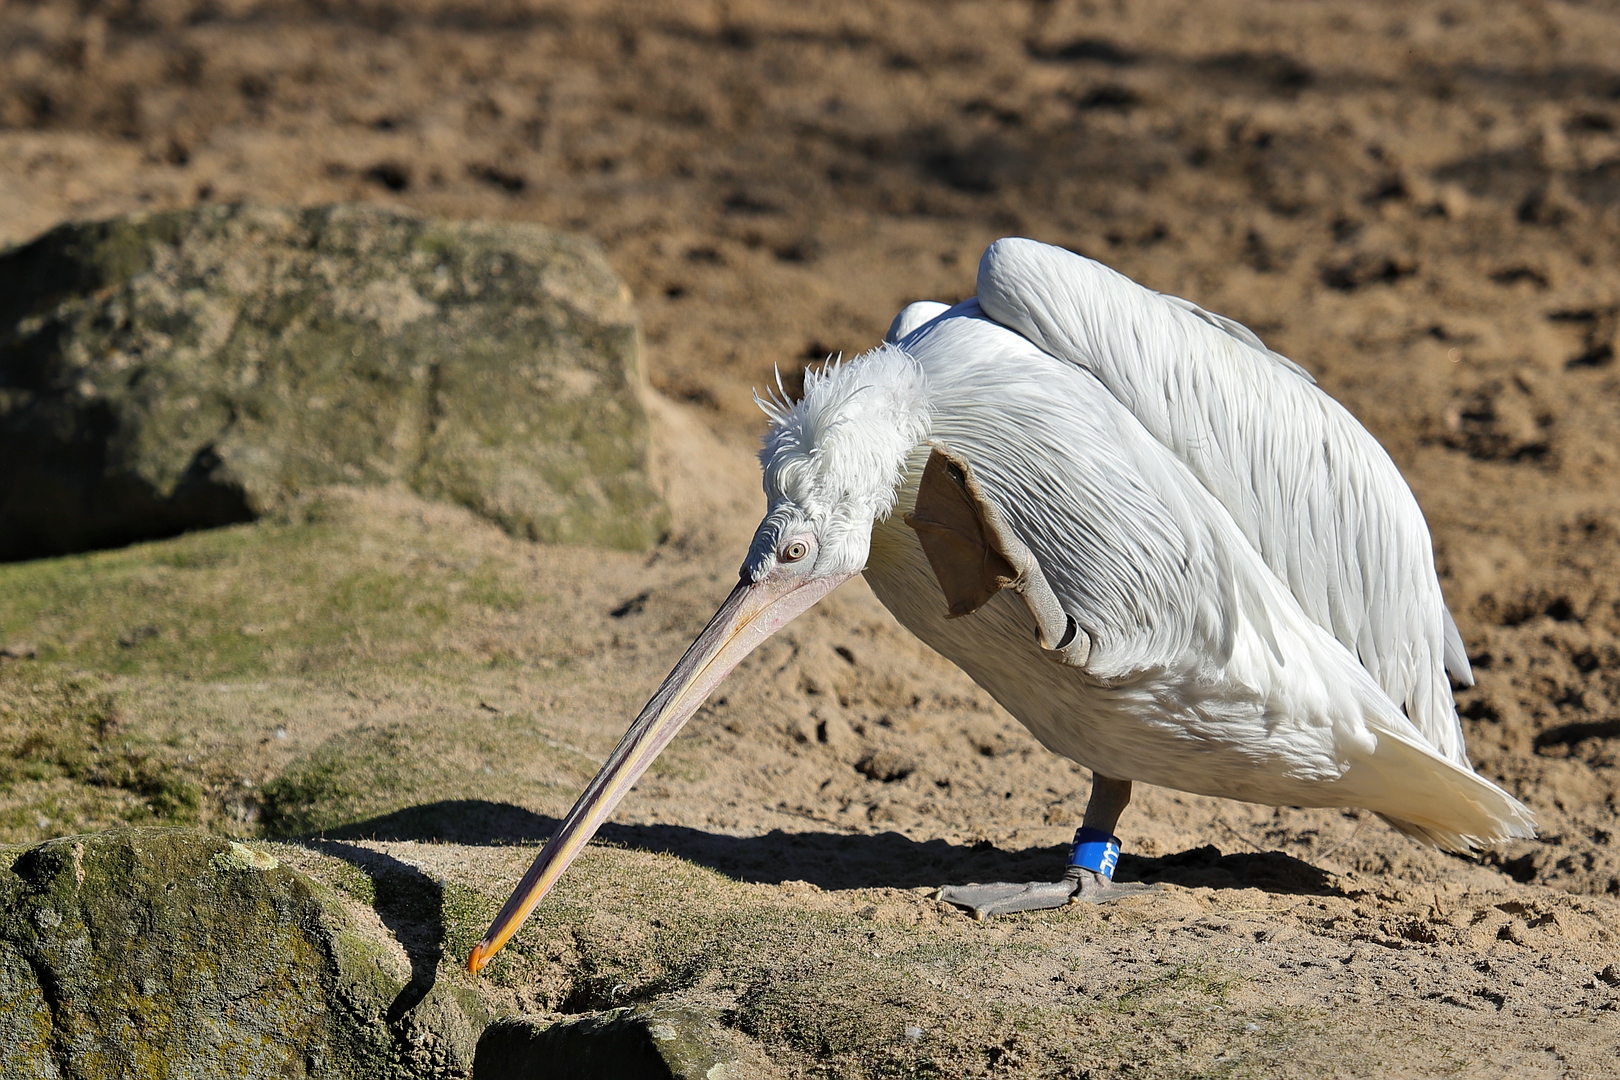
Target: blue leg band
[1095, 850]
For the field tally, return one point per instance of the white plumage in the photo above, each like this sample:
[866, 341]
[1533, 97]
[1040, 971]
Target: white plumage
[1311, 490]
[1156, 542]
[1203, 673]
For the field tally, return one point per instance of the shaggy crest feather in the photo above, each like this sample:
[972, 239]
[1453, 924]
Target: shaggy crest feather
[836, 456]
[849, 435]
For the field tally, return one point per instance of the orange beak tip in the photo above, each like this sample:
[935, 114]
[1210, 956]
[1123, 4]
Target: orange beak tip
[477, 959]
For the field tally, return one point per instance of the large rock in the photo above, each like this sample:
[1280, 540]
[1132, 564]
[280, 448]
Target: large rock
[169, 953]
[170, 371]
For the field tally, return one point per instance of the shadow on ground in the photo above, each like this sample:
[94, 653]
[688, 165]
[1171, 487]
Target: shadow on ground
[831, 860]
[411, 905]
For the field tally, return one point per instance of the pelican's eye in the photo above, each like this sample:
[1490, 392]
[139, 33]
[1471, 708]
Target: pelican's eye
[794, 551]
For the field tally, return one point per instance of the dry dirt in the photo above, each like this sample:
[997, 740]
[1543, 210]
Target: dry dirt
[1419, 202]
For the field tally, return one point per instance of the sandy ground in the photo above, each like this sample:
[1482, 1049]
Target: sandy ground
[1418, 202]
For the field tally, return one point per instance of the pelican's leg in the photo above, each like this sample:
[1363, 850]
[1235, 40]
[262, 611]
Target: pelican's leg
[1096, 848]
[1090, 877]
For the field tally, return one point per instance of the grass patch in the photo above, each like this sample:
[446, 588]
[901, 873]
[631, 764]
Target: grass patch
[67, 755]
[1182, 979]
[466, 914]
[164, 677]
[360, 773]
[310, 592]
[407, 772]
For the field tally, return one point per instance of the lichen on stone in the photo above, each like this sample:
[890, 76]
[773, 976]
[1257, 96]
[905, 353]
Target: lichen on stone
[147, 953]
[241, 858]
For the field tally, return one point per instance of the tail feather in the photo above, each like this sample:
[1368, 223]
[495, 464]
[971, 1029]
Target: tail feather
[1448, 840]
[1434, 800]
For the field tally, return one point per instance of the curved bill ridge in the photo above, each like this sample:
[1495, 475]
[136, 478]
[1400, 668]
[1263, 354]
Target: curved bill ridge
[753, 612]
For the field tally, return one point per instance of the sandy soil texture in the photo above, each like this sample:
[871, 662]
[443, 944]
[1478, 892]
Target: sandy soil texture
[1419, 202]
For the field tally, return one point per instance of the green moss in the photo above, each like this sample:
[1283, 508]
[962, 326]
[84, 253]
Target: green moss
[353, 775]
[470, 1002]
[70, 728]
[162, 946]
[364, 981]
[645, 1042]
[466, 914]
[350, 881]
[280, 596]
[374, 771]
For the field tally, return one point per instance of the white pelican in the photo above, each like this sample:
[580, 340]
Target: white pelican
[1157, 543]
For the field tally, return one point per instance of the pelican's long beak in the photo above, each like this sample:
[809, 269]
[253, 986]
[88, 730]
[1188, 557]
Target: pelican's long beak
[753, 612]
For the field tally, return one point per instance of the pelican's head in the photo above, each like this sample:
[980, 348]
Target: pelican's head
[832, 464]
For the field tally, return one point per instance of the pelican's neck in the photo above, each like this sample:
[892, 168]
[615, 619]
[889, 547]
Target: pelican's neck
[892, 541]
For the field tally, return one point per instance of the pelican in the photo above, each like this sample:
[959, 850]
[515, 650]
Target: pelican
[1157, 543]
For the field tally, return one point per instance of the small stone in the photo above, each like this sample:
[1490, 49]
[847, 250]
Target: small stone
[886, 766]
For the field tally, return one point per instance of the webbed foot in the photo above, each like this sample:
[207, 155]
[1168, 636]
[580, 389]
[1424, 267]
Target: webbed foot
[1078, 886]
[1096, 889]
[1000, 898]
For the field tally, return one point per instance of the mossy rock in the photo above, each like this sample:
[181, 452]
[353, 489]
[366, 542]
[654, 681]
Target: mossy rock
[170, 371]
[145, 953]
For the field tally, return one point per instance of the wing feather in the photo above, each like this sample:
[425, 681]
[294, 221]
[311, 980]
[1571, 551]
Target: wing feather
[1239, 331]
[1308, 486]
[1138, 557]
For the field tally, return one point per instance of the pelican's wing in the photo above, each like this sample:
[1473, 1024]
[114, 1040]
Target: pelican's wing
[1239, 331]
[1308, 486]
[912, 316]
[1039, 480]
